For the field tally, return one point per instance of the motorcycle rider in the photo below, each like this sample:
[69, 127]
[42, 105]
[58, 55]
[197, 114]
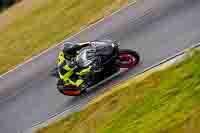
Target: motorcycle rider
[66, 62]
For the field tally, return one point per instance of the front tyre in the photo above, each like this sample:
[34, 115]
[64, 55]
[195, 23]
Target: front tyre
[128, 58]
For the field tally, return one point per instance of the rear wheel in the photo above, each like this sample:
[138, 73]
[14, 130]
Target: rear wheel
[128, 58]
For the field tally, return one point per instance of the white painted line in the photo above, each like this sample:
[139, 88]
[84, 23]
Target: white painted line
[60, 43]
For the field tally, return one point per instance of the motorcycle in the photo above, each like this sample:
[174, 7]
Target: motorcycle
[113, 60]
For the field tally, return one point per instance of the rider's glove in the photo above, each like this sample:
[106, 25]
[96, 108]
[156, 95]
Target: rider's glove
[70, 63]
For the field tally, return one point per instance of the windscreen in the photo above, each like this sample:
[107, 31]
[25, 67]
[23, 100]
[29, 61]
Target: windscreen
[86, 57]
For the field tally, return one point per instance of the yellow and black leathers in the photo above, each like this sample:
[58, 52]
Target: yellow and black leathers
[68, 68]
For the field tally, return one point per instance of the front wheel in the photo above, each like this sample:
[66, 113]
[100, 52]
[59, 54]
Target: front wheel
[128, 58]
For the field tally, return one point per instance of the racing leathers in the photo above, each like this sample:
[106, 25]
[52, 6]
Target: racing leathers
[75, 74]
[67, 66]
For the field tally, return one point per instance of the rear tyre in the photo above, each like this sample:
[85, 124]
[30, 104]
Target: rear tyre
[128, 58]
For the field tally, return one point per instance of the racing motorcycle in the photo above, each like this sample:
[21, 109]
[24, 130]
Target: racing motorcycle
[113, 60]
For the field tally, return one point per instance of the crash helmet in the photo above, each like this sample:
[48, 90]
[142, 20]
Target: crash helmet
[70, 50]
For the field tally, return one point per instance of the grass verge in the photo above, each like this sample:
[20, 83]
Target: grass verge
[166, 101]
[36, 28]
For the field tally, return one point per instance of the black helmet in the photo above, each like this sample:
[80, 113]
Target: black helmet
[70, 49]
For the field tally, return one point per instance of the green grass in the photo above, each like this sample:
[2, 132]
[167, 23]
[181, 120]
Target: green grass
[167, 101]
[48, 24]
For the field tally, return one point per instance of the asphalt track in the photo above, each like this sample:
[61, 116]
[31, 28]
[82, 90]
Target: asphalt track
[155, 28]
